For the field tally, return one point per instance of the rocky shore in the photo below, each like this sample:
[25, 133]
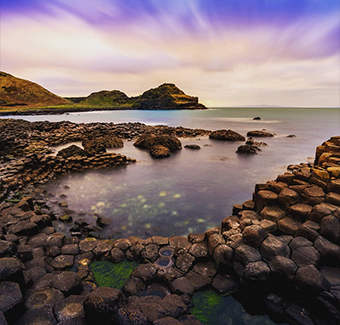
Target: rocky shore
[279, 250]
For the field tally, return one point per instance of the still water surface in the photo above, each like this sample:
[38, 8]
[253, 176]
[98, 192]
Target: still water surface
[192, 190]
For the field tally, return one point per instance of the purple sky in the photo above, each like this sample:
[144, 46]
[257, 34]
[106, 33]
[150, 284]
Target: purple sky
[227, 52]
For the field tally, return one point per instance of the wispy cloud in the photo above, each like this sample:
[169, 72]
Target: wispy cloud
[227, 52]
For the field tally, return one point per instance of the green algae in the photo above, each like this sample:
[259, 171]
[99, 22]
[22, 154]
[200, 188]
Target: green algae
[211, 308]
[112, 275]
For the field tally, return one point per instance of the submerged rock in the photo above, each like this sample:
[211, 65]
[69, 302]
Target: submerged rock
[192, 146]
[247, 149]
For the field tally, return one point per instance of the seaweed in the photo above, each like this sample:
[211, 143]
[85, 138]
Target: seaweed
[112, 275]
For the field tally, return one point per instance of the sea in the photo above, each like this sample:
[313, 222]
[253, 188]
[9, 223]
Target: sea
[193, 190]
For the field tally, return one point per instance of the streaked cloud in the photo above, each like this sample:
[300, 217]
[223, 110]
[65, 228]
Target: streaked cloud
[227, 52]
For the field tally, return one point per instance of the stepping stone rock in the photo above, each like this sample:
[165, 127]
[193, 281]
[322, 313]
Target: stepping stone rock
[7, 249]
[182, 286]
[205, 268]
[184, 262]
[272, 213]
[313, 195]
[254, 235]
[131, 316]
[321, 210]
[265, 198]
[145, 272]
[272, 247]
[334, 186]
[224, 283]
[256, 272]
[70, 309]
[197, 280]
[304, 256]
[68, 283]
[333, 198]
[43, 297]
[329, 251]
[283, 267]
[309, 230]
[330, 228]
[102, 304]
[43, 315]
[62, 262]
[199, 250]
[246, 254]
[223, 255]
[309, 278]
[288, 197]
[11, 269]
[300, 242]
[288, 225]
[299, 211]
[11, 303]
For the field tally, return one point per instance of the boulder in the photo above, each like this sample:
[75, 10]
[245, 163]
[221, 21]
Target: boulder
[71, 151]
[159, 151]
[288, 225]
[224, 283]
[147, 141]
[313, 195]
[42, 315]
[70, 309]
[7, 249]
[192, 146]
[102, 304]
[226, 135]
[247, 149]
[259, 133]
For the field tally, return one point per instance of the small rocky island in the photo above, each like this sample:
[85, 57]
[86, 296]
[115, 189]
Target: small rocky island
[19, 96]
[279, 250]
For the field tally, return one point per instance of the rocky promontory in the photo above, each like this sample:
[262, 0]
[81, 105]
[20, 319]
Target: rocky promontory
[19, 96]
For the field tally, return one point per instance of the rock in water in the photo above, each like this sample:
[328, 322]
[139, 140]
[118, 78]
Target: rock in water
[259, 133]
[72, 150]
[226, 135]
[192, 146]
[257, 118]
[247, 149]
[159, 151]
[160, 146]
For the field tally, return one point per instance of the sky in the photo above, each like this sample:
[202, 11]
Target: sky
[226, 52]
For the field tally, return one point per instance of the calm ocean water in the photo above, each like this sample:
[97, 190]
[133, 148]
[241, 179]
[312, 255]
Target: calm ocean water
[192, 190]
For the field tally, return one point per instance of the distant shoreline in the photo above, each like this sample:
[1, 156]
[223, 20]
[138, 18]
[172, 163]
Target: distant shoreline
[61, 111]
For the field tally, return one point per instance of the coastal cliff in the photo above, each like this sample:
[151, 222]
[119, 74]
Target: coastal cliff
[25, 97]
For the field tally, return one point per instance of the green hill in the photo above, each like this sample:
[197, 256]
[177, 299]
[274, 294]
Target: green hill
[20, 92]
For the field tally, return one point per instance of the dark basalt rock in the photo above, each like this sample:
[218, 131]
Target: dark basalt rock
[247, 149]
[42, 315]
[72, 150]
[68, 283]
[192, 146]
[102, 304]
[259, 133]
[11, 302]
[159, 151]
[226, 135]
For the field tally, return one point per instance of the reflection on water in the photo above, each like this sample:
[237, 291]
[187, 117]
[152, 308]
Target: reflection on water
[192, 190]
